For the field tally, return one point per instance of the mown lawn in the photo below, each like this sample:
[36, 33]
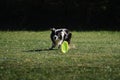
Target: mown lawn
[94, 55]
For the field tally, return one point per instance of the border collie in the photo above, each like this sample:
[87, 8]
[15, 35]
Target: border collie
[58, 36]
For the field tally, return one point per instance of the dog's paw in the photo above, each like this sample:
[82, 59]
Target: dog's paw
[50, 48]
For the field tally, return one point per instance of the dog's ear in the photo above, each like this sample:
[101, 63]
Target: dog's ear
[52, 29]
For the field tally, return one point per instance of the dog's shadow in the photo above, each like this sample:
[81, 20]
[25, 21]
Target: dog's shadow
[39, 50]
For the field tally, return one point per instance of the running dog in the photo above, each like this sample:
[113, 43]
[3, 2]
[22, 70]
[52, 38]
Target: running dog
[58, 36]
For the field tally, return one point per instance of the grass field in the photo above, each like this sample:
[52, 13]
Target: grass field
[94, 55]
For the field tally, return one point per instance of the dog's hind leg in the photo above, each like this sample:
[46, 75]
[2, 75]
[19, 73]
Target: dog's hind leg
[69, 38]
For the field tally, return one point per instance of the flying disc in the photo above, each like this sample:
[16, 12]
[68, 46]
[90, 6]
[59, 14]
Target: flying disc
[64, 47]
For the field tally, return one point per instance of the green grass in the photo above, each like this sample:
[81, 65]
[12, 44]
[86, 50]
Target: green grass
[94, 55]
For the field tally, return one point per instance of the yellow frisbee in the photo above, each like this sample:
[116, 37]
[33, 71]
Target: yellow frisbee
[64, 47]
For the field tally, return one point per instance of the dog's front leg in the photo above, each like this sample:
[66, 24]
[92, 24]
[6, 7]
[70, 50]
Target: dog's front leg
[53, 46]
[59, 44]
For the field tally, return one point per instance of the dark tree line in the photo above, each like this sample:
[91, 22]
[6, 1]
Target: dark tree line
[42, 14]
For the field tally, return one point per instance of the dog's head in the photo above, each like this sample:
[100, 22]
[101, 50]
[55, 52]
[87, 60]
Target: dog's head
[58, 34]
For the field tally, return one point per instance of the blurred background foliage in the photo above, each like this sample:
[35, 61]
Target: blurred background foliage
[73, 14]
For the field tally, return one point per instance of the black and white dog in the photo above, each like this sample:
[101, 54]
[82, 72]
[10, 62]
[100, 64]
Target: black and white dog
[58, 36]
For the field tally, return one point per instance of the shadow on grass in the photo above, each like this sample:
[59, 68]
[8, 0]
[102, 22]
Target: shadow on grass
[39, 50]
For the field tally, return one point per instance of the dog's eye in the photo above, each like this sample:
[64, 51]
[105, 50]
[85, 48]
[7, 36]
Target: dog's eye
[57, 33]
